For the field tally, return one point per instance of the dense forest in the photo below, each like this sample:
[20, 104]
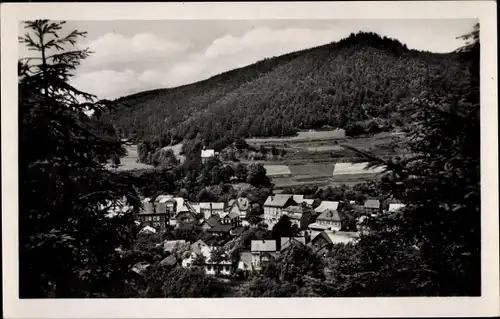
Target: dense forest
[356, 82]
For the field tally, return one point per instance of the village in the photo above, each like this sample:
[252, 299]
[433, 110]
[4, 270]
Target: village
[319, 225]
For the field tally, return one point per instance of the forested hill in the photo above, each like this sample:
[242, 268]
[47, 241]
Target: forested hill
[358, 79]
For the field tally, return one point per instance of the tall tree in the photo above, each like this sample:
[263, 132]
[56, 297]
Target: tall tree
[432, 246]
[66, 242]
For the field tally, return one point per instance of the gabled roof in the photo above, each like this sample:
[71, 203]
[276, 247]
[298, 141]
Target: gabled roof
[331, 215]
[279, 200]
[372, 203]
[395, 207]
[263, 245]
[327, 205]
[288, 241]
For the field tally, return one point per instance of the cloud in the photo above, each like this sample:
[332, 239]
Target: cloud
[125, 62]
[114, 49]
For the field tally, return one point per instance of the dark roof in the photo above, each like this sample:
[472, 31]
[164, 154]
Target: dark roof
[221, 228]
[279, 200]
[214, 220]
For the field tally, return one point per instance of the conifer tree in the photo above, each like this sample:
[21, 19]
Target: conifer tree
[66, 242]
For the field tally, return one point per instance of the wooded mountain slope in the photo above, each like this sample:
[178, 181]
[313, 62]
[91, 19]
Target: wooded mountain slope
[361, 78]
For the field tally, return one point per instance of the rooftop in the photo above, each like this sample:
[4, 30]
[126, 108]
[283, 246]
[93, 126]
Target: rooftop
[278, 200]
[372, 203]
[207, 153]
[263, 245]
[327, 205]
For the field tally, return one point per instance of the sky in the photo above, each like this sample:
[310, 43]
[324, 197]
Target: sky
[133, 56]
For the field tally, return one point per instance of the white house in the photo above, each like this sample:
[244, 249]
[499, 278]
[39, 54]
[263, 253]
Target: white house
[326, 205]
[274, 206]
[208, 209]
[211, 267]
[262, 252]
[206, 155]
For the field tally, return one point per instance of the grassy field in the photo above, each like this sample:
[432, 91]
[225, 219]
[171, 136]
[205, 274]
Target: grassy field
[273, 170]
[129, 161]
[301, 136]
[311, 162]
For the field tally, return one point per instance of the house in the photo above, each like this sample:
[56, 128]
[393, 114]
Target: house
[222, 267]
[372, 206]
[324, 241]
[225, 219]
[262, 252]
[395, 207]
[209, 209]
[331, 218]
[184, 213]
[221, 230]
[149, 217]
[206, 155]
[298, 216]
[315, 229]
[327, 205]
[273, 207]
[240, 206]
[173, 245]
[286, 242]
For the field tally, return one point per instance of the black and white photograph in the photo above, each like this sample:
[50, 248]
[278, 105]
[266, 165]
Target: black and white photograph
[250, 157]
